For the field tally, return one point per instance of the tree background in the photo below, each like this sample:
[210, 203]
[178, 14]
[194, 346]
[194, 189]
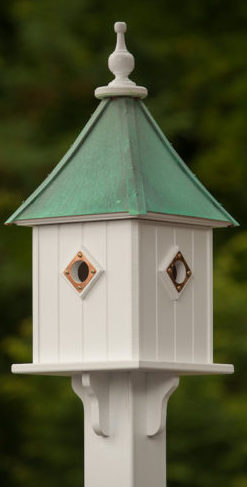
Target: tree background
[192, 58]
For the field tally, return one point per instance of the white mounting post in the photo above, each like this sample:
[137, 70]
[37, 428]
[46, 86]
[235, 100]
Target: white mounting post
[125, 420]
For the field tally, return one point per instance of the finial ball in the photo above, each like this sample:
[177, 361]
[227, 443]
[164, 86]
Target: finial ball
[120, 27]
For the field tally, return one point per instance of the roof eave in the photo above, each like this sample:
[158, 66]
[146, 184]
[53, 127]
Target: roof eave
[149, 216]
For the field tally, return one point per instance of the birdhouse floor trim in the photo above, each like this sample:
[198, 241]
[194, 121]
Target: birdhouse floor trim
[67, 369]
[159, 217]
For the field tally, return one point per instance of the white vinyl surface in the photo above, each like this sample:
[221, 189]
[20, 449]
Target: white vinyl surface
[128, 314]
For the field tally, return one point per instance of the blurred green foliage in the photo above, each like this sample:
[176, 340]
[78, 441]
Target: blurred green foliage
[192, 57]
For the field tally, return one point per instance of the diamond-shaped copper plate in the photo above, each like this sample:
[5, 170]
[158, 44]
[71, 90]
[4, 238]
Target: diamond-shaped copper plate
[80, 271]
[179, 271]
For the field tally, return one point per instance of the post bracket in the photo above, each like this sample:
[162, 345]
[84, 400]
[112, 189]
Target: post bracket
[159, 389]
[95, 388]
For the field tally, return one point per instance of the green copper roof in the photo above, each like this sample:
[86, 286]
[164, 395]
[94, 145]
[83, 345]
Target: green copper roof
[121, 162]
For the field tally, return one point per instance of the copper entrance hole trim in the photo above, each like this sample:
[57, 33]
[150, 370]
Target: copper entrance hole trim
[179, 271]
[80, 271]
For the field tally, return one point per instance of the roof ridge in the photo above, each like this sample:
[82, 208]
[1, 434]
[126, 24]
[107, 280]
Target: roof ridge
[184, 166]
[130, 152]
[65, 159]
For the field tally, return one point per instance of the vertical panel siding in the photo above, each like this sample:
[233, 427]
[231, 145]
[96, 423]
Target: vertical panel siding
[100, 325]
[184, 305]
[95, 306]
[69, 302]
[119, 297]
[48, 293]
[148, 284]
[129, 310]
[36, 294]
[210, 293]
[135, 292]
[165, 306]
[203, 304]
[175, 330]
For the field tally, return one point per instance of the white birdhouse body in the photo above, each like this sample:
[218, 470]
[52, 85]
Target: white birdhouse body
[131, 311]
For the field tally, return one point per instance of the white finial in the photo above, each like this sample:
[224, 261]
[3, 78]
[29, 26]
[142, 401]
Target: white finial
[121, 63]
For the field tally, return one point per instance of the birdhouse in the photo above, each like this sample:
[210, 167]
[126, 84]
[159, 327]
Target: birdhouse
[122, 279]
[122, 245]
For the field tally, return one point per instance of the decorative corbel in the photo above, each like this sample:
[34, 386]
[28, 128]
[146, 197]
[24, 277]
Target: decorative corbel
[159, 389]
[94, 387]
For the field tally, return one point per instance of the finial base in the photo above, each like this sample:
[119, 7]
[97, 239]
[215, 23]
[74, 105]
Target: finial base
[108, 91]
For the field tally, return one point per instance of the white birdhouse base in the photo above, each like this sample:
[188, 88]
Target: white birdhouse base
[125, 420]
[175, 368]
